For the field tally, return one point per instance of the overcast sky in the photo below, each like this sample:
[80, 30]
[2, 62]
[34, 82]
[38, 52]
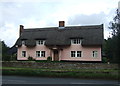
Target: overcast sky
[47, 13]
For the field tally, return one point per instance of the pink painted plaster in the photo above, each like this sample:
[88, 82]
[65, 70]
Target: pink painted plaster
[64, 54]
[32, 52]
[86, 53]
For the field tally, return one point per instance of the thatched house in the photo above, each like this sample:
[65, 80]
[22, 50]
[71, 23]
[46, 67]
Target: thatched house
[72, 43]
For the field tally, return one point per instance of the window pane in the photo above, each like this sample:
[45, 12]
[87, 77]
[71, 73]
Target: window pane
[78, 53]
[37, 53]
[40, 42]
[42, 53]
[23, 53]
[37, 42]
[76, 41]
[95, 54]
[72, 53]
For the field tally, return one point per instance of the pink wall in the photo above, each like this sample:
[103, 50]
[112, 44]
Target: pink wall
[64, 54]
[86, 53]
[32, 52]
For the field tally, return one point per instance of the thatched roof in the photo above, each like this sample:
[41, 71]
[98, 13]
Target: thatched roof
[91, 35]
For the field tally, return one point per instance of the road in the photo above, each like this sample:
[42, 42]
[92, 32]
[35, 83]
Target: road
[44, 80]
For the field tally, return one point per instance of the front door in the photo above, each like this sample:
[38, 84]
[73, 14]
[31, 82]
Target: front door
[56, 55]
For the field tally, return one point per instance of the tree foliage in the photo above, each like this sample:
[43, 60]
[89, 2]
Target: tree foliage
[115, 24]
[113, 44]
[5, 48]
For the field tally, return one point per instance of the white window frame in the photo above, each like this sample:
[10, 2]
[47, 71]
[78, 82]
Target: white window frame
[79, 53]
[24, 54]
[40, 42]
[40, 53]
[76, 54]
[94, 54]
[76, 41]
[73, 53]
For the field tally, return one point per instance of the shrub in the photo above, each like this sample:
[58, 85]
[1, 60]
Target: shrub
[6, 57]
[30, 58]
[104, 60]
[14, 57]
[49, 58]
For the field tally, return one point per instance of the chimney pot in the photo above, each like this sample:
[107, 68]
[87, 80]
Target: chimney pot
[61, 23]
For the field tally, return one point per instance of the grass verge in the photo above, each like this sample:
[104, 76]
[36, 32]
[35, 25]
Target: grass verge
[81, 73]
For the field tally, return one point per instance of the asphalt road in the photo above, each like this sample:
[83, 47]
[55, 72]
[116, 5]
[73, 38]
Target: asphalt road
[44, 80]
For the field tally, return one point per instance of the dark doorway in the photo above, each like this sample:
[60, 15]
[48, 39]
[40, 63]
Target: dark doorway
[56, 55]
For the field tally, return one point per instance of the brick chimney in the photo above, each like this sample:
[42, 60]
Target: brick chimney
[61, 24]
[21, 29]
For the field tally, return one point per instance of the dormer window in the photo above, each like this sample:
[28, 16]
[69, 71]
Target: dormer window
[75, 41]
[40, 42]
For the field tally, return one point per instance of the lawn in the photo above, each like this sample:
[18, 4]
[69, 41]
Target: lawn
[70, 73]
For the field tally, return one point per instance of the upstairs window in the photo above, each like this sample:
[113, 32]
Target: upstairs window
[95, 54]
[76, 53]
[40, 42]
[23, 53]
[76, 41]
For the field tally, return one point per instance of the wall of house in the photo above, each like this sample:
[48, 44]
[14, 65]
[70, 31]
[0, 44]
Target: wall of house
[32, 52]
[86, 53]
[64, 54]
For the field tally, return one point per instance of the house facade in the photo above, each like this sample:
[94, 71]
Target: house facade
[72, 43]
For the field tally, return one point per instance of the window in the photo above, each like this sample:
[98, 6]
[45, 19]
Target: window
[94, 54]
[40, 42]
[76, 41]
[23, 53]
[40, 53]
[76, 53]
[72, 53]
[37, 53]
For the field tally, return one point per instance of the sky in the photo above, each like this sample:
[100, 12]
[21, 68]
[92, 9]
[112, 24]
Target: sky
[47, 13]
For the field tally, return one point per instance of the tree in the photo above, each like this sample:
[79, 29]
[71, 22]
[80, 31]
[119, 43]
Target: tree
[107, 50]
[5, 48]
[115, 24]
[115, 40]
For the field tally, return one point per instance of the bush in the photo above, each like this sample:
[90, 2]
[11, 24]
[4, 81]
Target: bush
[14, 57]
[6, 57]
[49, 58]
[30, 58]
[104, 60]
